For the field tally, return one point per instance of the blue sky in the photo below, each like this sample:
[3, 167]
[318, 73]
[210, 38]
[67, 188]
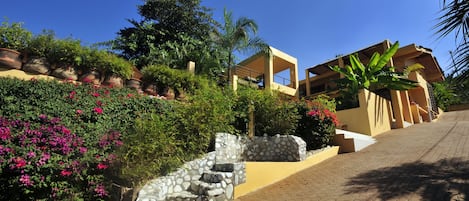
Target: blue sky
[311, 31]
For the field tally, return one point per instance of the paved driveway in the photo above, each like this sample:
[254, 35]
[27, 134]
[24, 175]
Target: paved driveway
[428, 161]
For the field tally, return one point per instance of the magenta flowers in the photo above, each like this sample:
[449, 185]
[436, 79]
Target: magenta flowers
[46, 160]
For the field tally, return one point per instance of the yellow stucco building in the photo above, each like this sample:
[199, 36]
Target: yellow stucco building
[384, 109]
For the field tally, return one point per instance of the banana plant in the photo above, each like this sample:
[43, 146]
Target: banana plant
[374, 75]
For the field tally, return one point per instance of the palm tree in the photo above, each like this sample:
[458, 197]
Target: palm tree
[236, 36]
[455, 18]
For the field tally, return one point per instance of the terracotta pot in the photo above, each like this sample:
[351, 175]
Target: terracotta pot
[93, 77]
[37, 65]
[136, 74]
[65, 72]
[113, 81]
[10, 58]
[151, 89]
[134, 84]
[168, 93]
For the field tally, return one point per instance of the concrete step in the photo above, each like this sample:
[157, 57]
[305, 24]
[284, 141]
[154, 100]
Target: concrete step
[351, 141]
[184, 196]
[203, 188]
[215, 176]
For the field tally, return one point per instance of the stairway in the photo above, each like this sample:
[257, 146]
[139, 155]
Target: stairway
[351, 141]
[214, 185]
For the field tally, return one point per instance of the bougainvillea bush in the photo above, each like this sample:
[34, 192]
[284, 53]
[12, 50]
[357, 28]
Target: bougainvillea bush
[59, 137]
[43, 159]
[317, 123]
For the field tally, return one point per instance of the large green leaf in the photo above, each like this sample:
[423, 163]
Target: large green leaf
[384, 59]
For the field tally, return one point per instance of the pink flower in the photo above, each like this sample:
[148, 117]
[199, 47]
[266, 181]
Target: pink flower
[102, 166]
[107, 92]
[95, 94]
[65, 173]
[79, 112]
[130, 95]
[31, 154]
[83, 150]
[5, 133]
[98, 110]
[20, 162]
[99, 103]
[26, 180]
[100, 190]
[72, 94]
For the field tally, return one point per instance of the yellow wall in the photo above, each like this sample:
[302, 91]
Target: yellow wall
[371, 118]
[5, 72]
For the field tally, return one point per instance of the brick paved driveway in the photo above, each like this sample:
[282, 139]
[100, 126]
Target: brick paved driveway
[427, 161]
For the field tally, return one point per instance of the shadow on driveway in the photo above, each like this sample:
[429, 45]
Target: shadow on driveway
[446, 179]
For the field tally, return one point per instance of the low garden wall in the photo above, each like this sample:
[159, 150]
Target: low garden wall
[275, 148]
[215, 175]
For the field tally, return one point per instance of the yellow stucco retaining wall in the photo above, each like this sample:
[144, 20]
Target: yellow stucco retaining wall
[262, 174]
[371, 118]
[5, 72]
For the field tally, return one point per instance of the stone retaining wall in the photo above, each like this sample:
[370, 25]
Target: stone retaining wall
[214, 176]
[275, 148]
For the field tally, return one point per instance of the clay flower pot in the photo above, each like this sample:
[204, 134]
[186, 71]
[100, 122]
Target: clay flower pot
[37, 65]
[10, 58]
[93, 77]
[65, 72]
[113, 81]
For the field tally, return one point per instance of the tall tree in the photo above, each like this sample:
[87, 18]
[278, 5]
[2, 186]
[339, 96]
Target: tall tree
[238, 36]
[455, 19]
[172, 32]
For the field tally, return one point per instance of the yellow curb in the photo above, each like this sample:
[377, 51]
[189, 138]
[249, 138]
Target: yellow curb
[262, 174]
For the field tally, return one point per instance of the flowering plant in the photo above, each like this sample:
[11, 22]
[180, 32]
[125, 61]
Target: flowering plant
[318, 122]
[42, 159]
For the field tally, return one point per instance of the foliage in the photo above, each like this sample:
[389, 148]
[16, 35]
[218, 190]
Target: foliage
[43, 159]
[87, 111]
[65, 52]
[454, 19]
[235, 35]
[317, 123]
[153, 136]
[374, 75]
[172, 33]
[172, 136]
[445, 95]
[14, 36]
[272, 114]
[180, 80]
[40, 44]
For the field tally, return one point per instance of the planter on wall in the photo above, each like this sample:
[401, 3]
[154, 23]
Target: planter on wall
[65, 72]
[134, 84]
[10, 58]
[151, 89]
[93, 77]
[114, 81]
[37, 65]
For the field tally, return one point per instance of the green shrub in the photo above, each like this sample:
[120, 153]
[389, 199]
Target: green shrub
[14, 36]
[86, 110]
[445, 95]
[317, 123]
[272, 115]
[181, 81]
[178, 133]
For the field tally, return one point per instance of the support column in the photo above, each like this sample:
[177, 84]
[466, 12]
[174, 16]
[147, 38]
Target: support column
[269, 71]
[406, 107]
[191, 67]
[397, 109]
